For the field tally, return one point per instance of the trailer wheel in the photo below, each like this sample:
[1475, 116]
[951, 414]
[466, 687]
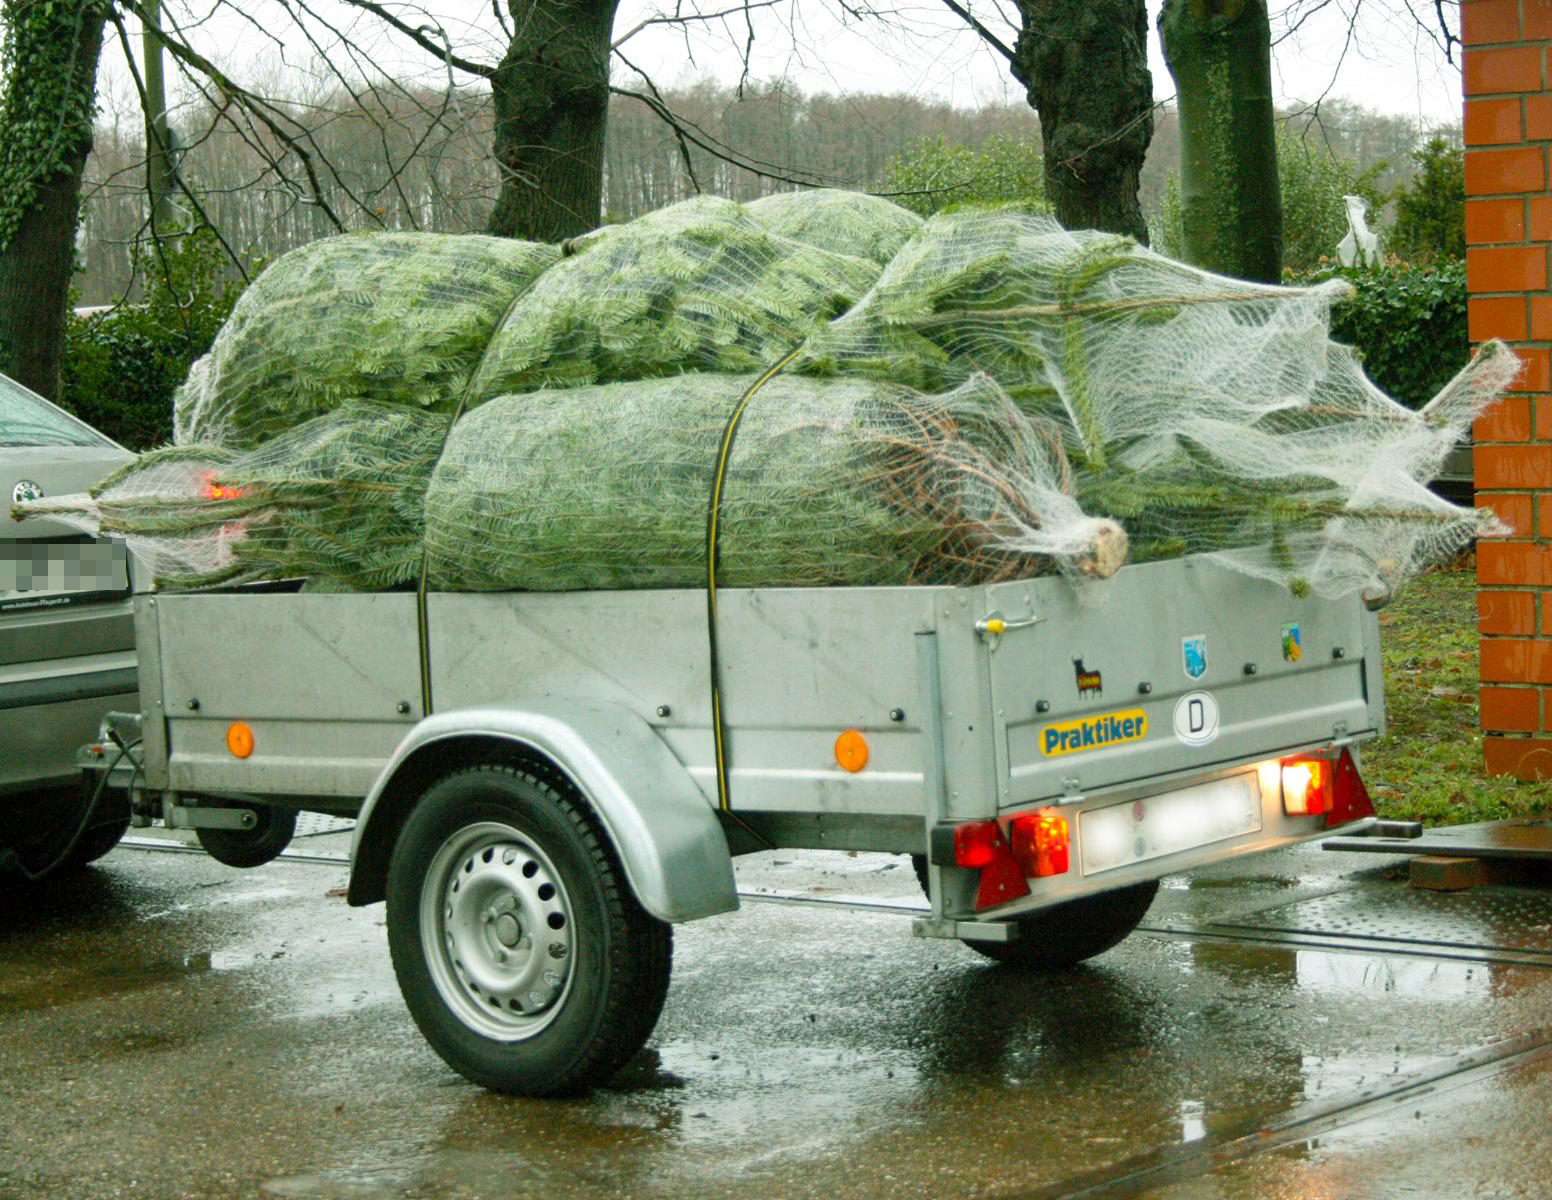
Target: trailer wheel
[251, 847]
[519, 948]
[1066, 934]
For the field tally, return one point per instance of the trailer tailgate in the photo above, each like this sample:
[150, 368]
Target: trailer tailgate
[1173, 667]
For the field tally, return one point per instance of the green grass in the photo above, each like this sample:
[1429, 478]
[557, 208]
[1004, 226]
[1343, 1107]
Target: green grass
[1428, 766]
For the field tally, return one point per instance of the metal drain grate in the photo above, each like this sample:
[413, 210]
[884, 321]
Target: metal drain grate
[310, 824]
[1495, 920]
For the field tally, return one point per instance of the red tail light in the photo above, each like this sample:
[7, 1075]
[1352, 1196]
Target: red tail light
[1306, 786]
[976, 843]
[1315, 786]
[981, 845]
[1041, 843]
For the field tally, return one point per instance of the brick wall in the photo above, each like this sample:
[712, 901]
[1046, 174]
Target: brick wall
[1508, 127]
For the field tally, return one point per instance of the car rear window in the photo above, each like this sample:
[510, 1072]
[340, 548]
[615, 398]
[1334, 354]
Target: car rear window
[27, 419]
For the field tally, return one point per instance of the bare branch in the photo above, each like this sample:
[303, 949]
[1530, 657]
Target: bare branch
[418, 35]
[134, 71]
[986, 35]
[680, 19]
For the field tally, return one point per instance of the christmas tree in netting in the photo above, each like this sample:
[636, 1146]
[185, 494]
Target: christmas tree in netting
[980, 396]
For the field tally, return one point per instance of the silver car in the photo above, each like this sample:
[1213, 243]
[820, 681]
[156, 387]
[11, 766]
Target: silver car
[66, 640]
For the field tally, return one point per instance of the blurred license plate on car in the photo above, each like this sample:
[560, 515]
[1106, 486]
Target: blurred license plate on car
[53, 573]
[1121, 835]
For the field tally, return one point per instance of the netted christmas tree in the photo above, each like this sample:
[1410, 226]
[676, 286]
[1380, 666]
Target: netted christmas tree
[401, 318]
[981, 396]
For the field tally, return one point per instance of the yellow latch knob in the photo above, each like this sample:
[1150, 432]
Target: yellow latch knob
[995, 626]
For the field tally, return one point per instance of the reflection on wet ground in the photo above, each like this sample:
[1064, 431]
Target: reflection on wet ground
[188, 1030]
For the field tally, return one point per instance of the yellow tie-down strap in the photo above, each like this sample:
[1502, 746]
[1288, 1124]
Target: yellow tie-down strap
[713, 524]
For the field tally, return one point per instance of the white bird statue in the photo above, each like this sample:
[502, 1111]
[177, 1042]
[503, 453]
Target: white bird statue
[1361, 246]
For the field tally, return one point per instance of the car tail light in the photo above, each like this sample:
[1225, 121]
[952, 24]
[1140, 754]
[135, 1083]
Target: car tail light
[1306, 786]
[211, 490]
[1041, 843]
[982, 846]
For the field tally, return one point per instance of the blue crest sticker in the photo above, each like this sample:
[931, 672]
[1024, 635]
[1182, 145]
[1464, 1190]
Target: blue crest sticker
[1293, 646]
[1193, 650]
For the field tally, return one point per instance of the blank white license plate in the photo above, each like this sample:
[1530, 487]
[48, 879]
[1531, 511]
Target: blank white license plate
[1124, 834]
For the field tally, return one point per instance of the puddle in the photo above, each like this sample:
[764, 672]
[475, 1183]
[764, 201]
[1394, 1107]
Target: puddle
[1420, 977]
[59, 989]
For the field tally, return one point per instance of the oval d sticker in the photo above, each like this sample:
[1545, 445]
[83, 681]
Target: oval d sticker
[1196, 718]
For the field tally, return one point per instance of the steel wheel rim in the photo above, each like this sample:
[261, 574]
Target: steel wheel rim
[497, 931]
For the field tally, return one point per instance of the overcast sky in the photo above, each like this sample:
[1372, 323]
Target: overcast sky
[1370, 51]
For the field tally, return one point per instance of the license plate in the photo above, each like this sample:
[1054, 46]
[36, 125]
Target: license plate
[1121, 835]
[52, 574]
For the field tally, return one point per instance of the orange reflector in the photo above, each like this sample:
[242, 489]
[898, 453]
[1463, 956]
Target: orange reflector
[1041, 842]
[239, 739]
[1306, 786]
[851, 750]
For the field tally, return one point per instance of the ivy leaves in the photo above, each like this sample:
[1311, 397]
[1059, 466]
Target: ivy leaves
[48, 58]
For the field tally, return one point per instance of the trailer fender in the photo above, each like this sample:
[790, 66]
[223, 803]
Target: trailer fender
[664, 831]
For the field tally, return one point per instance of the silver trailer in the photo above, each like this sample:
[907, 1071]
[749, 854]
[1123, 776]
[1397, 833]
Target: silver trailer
[540, 797]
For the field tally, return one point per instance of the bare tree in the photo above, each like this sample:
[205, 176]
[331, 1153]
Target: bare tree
[1084, 65]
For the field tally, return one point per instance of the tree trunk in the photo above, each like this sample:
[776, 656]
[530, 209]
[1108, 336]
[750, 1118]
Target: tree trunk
[1220, 53]
[551, 93]
[45, 136]
[1084, 64]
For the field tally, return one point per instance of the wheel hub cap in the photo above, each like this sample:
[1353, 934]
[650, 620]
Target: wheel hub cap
[494, 912]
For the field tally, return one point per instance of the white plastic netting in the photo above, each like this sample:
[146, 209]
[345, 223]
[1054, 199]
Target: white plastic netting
[842, 222]
[397, 317]
[983, 395]
[698, 286]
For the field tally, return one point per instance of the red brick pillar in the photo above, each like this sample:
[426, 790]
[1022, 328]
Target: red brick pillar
[1508, 126]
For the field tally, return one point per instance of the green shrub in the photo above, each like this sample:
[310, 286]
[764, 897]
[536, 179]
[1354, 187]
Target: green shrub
[1431, 209]
[935, 174]
[122, 366]
[1407, 321]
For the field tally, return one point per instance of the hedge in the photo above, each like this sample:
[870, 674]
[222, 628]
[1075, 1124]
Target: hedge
[121, 367]
[1408, 322]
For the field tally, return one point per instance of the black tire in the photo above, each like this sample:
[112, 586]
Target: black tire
[96, 842]
[251, 847]
[1066, 934]
[493, 861]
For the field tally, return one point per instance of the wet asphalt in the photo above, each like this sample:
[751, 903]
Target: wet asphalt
[170, 1027]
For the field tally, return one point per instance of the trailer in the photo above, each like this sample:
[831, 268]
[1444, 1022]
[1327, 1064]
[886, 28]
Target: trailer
[547, 783]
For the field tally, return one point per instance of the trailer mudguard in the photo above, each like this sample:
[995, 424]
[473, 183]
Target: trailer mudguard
[664, 831]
